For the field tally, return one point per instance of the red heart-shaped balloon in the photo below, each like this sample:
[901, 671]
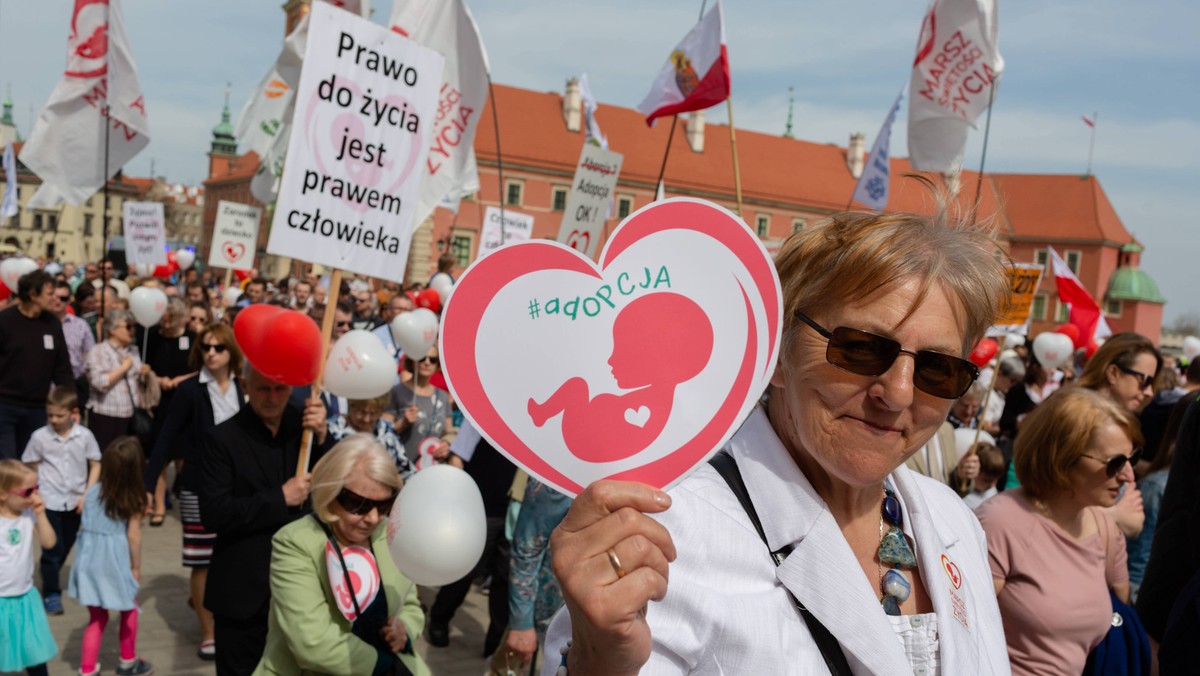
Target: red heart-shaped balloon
[284, 345]
[984, 351]
[430, 300]
[1071, 331]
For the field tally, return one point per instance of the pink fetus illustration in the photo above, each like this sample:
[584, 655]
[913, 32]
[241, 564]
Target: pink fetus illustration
[659, 342]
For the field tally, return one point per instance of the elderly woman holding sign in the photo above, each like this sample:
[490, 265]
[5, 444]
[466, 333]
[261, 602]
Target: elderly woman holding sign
[316, 625]
[807, 545]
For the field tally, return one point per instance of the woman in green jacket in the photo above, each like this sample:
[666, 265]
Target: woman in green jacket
[316, 626]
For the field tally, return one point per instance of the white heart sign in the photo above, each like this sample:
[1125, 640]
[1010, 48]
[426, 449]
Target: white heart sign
[363, 573]
[646, 362]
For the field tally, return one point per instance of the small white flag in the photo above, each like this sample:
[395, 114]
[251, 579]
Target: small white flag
[9, 207]
[591, 126]
[872, 186]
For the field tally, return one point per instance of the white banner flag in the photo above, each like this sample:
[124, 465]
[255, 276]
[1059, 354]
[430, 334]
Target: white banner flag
[872, 186]
[957, 61]
[591, 126]
[9, 207]
[66, 147]
[447, 27]
[349, 192]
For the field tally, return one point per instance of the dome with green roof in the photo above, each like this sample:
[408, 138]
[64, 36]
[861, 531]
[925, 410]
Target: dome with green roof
[1132, 284]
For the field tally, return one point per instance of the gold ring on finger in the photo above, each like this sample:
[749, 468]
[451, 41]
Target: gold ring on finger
[616, 563]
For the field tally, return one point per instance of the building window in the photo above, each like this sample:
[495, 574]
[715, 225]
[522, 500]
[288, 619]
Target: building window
[37, 221]
[1073, 258]
[1063, 314]
[1042, 258]
[1038, 309]
[512, 193]
[763, 223]
[624, 206]
[52, 221]
[460, 246]
[1112, 308]
[798, 224]
[87, 225]
[560, 198]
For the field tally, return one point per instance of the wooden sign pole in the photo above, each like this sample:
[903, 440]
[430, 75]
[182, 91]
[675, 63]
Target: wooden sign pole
[327, 319]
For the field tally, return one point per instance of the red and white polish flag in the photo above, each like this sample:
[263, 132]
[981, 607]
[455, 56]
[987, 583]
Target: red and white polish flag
[1085, 311]
[696, 74]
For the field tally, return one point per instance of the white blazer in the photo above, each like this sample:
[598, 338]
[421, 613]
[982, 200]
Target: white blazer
[727, 610]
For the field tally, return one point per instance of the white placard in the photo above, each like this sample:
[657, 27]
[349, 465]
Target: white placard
[145, 239]
[590, 198]
[518, 227]
[360, 137]
[235, 236]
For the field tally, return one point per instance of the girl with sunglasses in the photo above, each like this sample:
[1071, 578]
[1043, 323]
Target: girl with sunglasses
[421, 412]
[28, 643]
[312, 621]
[201, 402]
[807, 546]
[1054, 550]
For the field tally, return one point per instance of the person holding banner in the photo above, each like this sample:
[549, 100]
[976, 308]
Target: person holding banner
[867, 567]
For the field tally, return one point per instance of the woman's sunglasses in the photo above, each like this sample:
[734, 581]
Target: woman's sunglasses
[1144, 379]
[1114, 465]
[867, 354]
[432, 361]
[24, 492]
[215, 348]
[359, 506]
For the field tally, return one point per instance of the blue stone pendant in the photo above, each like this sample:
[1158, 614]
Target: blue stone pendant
[896, 585]
[891, 510]
[894, 550]
[890, 606]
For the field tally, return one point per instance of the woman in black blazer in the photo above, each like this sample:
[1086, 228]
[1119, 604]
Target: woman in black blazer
[200, 403]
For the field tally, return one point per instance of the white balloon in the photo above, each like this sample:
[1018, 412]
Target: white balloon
[122, 288]
[147, 305]
[443, 284]
[1191, 347]
[232, 294]
[437, 528]
[359, 366]
[12, 269]
[415, 332]
[184, 258]
[964, 439]
[143, 269]
[1053, 349]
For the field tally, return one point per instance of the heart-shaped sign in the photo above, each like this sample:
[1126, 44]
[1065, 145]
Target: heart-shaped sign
[363, 573]
[1053, 349]
[233, 251]
[646, 362]
[12, 269]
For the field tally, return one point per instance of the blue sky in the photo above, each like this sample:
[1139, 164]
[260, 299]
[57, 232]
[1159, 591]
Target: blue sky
[1137, 64]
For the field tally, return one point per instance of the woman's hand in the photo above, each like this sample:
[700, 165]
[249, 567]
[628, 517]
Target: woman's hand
[611, 560]
[144, 371]
[126, 364]
[521, 644]
[395, 636]
[1128, 512]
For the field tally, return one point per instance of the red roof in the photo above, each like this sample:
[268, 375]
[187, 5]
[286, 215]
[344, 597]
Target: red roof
[1060, 207]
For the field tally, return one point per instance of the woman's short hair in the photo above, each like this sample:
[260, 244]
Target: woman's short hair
[114, 317]
[1058, 432]
[223, 335]
[379, 403]
[853, 256]
[356, 454]
[1120, 350]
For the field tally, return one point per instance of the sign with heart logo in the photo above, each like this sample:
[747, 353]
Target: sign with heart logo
[636, 368]
[235, 236]
[589, 202]
[363, 573]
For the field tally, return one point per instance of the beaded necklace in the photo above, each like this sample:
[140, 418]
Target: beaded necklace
[894, 550]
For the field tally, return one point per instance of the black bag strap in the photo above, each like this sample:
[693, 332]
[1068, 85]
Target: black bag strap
[341, 560]
[835, 659]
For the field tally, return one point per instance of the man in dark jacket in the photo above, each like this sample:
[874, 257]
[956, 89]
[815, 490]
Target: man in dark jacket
[33, 356]
[249, 488]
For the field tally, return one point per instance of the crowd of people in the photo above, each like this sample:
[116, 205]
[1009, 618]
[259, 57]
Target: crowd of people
[889, 507]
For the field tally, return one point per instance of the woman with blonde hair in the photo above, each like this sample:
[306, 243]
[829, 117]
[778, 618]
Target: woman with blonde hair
[312, 629]
[1054, 550]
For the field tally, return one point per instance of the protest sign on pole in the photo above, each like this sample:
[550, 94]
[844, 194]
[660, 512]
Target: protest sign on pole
[494, 234]
[589, 199]
[1017, 307]
[145, 238]
[234, 236]
[360, 138]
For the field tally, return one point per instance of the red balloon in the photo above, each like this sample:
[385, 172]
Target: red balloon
[163, 271]
[1071, 331]
[284, 345]
[5, 292]
[984, 351]
[242, 275]
[1092, 346]
[430, 300]
[171, 259]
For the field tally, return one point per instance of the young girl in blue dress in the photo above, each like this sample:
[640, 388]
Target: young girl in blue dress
[25, 639]
[108, 556]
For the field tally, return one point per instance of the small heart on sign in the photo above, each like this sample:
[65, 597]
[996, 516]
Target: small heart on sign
[234, 251]
[579, 241]
[638, 417]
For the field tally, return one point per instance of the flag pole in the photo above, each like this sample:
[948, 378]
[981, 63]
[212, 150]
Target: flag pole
[104, 175]
[1092, 145]
[987, 128]
[499, 156]
[737, 174]
[666, 153]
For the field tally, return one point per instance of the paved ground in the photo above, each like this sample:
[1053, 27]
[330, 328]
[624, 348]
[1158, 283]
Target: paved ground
[168, 634]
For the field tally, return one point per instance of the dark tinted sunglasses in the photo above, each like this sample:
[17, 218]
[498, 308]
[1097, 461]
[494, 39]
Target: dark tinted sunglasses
[358, 505]
[1114, 465]
[1144, 379]
[215, 348]
[24, 492]
[867, 354]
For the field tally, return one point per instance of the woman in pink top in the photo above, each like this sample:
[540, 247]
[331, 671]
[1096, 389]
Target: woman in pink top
[1054, 550]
